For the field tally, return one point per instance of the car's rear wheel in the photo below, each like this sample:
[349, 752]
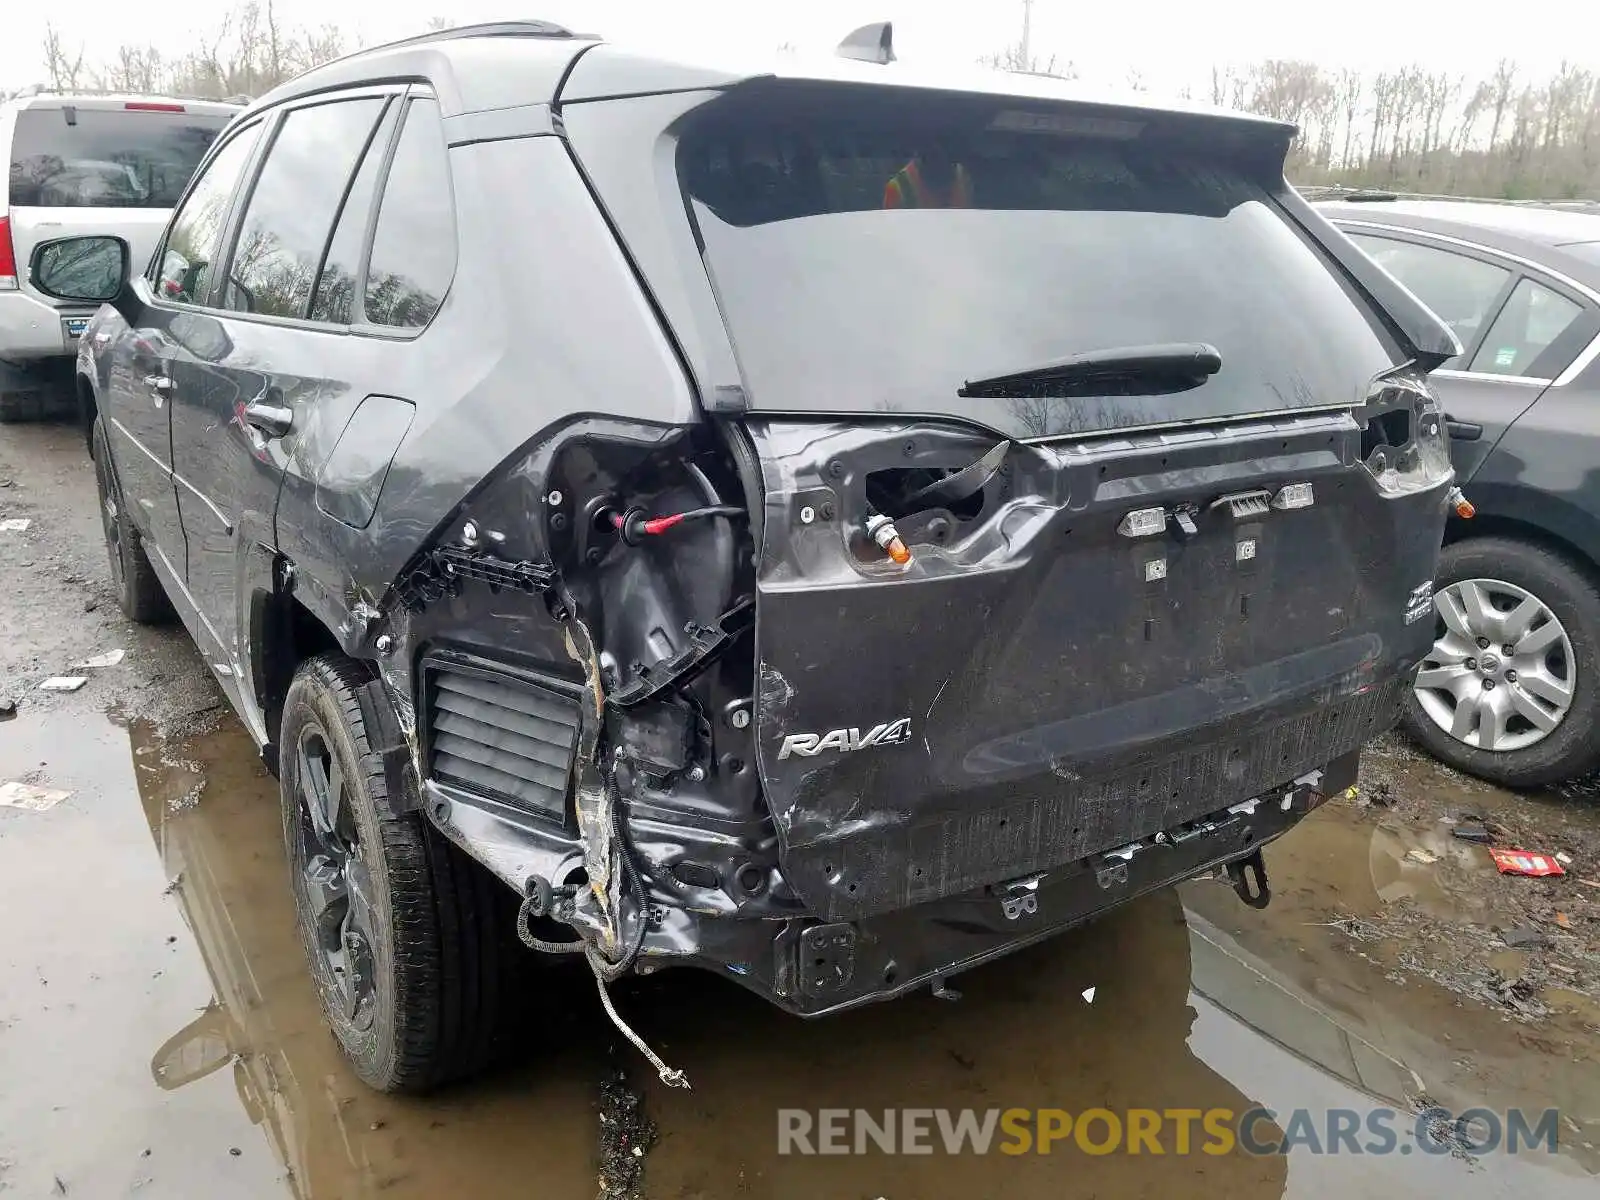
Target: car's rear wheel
[139, 592]
[406, 938]
[1508, 692]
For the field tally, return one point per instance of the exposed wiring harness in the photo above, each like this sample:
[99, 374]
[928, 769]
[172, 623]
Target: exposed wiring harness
[538, 901]
[634, 525]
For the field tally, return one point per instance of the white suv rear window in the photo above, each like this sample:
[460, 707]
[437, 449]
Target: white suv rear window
[69, 157]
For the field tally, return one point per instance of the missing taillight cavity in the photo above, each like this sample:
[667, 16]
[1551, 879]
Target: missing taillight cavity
[1392, 429]
[892, 491]
[1402, 443]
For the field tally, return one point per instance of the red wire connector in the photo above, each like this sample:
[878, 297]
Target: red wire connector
[634, 526]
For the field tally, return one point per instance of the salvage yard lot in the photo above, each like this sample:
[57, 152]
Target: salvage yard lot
[159, 1036]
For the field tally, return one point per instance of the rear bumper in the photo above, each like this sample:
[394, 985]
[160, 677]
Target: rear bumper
[31, 329]
[812, 968]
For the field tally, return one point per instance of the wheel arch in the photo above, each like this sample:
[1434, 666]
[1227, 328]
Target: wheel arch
[88, 407]
[284, 634]
[1533, 516]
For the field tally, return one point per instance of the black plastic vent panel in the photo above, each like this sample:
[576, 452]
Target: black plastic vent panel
[504, 738]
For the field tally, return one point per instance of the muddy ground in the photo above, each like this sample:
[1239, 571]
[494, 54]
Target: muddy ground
[159, 1037]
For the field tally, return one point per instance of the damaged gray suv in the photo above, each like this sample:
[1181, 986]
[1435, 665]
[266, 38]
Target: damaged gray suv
[827, 526]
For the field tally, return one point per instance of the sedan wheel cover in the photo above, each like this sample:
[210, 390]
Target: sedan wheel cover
[1501, 673]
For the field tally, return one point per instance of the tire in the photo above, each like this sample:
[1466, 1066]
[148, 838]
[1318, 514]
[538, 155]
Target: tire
[139, 592]
[1489, 578]
[22, 406]
[430, 960]
[36, 392]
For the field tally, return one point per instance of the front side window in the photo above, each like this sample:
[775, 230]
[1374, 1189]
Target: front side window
[414, 247]
[195, 235]
[70, 156]
[291, 210]
[1527, 329]
[1461, 291]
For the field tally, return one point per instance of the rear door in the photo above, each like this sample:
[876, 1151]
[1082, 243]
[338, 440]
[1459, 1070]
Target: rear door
[1518, 329]
[87, 166]
[267, 357]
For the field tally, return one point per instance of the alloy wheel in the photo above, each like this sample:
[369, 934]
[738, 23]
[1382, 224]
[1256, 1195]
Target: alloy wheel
[1500, 676]
[111, 522]
[334, 880]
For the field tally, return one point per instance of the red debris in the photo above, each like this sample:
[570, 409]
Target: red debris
[1525, 862]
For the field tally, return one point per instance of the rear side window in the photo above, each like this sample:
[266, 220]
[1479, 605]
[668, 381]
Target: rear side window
[73, 157]
[414, 246]
[291, 210]
[872, 251]
[334, 300]
[195, 235]
[1528, 327]
[1461, 291]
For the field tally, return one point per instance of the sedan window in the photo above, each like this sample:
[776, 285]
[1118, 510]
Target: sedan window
[1460, 290]
[1530, 324]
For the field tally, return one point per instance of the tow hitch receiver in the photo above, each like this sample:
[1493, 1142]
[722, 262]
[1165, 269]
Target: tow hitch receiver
[1258, 894]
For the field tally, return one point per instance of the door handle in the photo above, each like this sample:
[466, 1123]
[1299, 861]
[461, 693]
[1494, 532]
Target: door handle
[274, 420]
[1463, 431]
[159, 383]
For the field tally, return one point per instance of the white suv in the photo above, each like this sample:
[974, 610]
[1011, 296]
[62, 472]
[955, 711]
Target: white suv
[82, 163]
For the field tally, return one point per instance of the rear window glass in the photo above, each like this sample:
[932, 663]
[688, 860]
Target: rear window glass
[872, 252]
[99, 158]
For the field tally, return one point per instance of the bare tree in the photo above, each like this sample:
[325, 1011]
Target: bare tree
[64, 68]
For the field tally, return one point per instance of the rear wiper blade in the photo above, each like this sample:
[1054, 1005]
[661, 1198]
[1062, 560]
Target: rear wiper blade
[1120, 370]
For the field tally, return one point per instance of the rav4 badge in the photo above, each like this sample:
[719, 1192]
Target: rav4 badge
[845, 740]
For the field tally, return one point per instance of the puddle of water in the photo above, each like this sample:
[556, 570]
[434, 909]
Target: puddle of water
[127, 1042]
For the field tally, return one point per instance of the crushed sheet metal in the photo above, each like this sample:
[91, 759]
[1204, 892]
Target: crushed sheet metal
[109, 659]
[63, 683]
[15, 794]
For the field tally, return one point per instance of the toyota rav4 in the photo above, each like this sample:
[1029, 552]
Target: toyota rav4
[831, 525]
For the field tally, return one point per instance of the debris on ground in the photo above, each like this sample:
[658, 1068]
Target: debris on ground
[8, 707]
[1525, 862]
[1354, 927]
[30, 796]
[1419, 855]
[1563, 858]
[1563, 920]
[109, 659]
[63, 683]
[1473, 831]
[15, 525]
[1523, 936]
[626, 1135]
[1381, 794]
[1443, 923]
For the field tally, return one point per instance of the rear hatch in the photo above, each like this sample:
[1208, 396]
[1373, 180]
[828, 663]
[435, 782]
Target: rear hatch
[103, 166]
[1178, 586]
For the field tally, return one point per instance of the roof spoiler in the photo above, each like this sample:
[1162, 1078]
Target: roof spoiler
[871, 43]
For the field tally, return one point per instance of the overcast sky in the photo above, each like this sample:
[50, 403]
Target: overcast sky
[1170, 42]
